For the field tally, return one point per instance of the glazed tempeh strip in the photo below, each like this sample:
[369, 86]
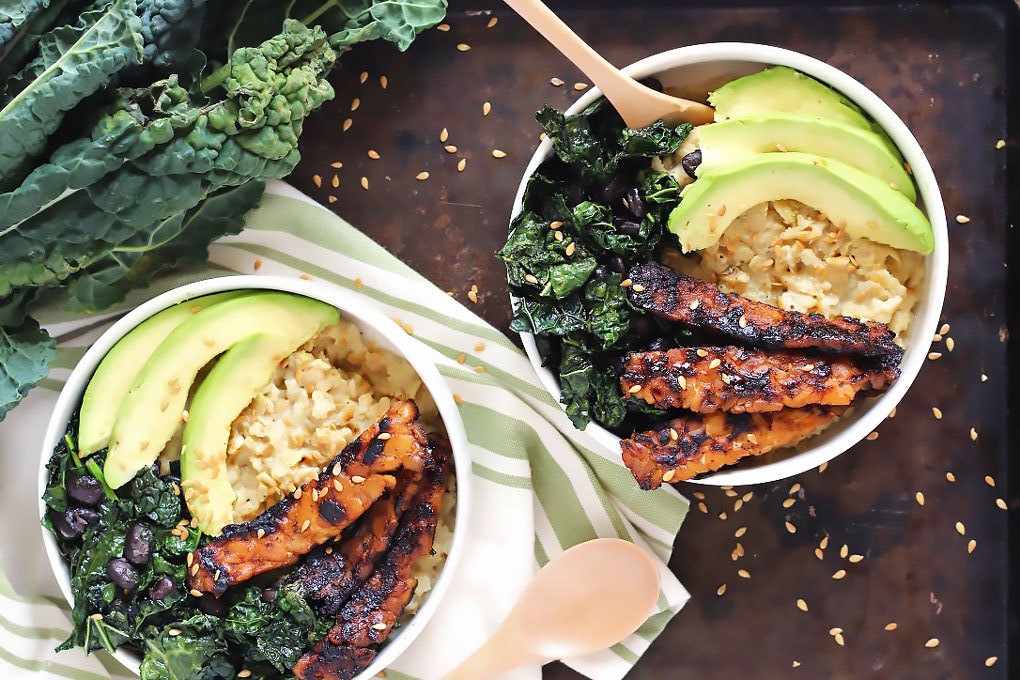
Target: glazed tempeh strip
[702, 305]
[742, 380]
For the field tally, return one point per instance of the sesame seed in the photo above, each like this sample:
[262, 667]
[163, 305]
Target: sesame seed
[962, 219]
[384, 436]
[669, 475]
[740, 532]
[195, 592]
[753, 438]
[174, 632]
[492, 22]
[473, 295]
[244, 673]
[216, 576]
[694, 305]
[989, 480]
[743, 573]
[844, 551]
[304, 526]
[699, 495]
[450, 148]
[317, 180]
[971, 545]
[634, 389]
[486, 108]
[714, 363]
[934, 355]
[919, 497]
[335, 182]
[702, 507]
[950, 477]
[297, 493]
[838, 637]
[801, 605]
[961, 529]
[990, 661]
[571, 247]
[580, 87]
[790, 528]
[720, 590]
[890, 626]
[638, 287]
[194, 567]
[809, 367]
[950, 344]
[479, 369]
[357, 479]
[819, 554]
[835, 630]
[363, 77]
[337, 469]
[355, 103]
[461, 358]
[443, 27]
[332, 198]
[737, 505]
[854, 559]
[973, 434]
[984, 378]
[364, 183]
[823, 467]
[556, 224]
[625, 283]
[932, 643]
[937, 412]
[463, 47]
[444, 134]
[937, 337]
[422, 176]
[348, 122]
[839, 574]
[788, 503]
[384, 81]
[461, 164]
[728, 490]
[872, 436]
[338, 485]
[702, 353]
[892, 413]
[824, 543]
[674, 435]
[497, 153]
[944, 329]
[373, 154]
[1000, 503]
[742, 322]
[556, 82]
[796, 664]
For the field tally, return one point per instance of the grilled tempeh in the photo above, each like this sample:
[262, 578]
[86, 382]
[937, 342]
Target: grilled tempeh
[742, 380]
[368, 617]
[691, 445]
[702, 305]
[318, 511]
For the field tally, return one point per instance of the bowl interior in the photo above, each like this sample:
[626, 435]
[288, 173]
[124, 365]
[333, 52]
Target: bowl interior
[694, 71]
[377, 329]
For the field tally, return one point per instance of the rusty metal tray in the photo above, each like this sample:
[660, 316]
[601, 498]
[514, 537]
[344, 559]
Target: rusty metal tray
[952, 72]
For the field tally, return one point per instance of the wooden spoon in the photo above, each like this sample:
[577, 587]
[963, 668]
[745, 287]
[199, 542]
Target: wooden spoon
[587, 599]
[639, 106]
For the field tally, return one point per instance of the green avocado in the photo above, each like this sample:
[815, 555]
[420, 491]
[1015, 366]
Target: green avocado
[122, 364]
[227, 390]
[726, 142]
[153, 407]
[866, 207]
[780, 89]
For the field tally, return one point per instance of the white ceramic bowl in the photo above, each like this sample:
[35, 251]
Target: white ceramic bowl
[377, 328]
[698, 69]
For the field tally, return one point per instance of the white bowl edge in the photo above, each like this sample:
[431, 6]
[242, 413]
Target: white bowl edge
[375, 326]
[851, 430]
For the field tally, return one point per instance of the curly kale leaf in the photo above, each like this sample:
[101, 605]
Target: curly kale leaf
[170, 31]
[396, 21]
[547, 316]
[276, 632]
[197, 652]
[73, 62]
[537, 260]
[22, 23]
[25, 355]
[607, 311]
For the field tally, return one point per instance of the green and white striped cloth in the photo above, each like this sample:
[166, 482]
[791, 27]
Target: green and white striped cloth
[541, 486]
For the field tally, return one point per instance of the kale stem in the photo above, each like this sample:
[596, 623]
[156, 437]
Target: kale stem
[93, 467]
[215, 78]
[319, 12]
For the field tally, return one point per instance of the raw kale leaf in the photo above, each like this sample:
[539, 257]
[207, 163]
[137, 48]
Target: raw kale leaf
[197, 652]
[74, 62]
[536, 259]
[22, 22]
[170, 31]
[396, 21]
[25, 355]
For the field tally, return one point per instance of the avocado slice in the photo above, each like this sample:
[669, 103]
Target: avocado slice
[728, 141]
[122, 364]
[152, 408]
[227, 390]
[866, 207]
[780, 89]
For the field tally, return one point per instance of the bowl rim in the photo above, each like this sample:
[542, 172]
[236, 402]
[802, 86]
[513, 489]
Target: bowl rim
[365, 317]
[926, 316]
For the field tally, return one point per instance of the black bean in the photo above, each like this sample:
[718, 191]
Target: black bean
[72, 522]
[138, 545]
[268, 594]
[161, 588]
[637, 206]
[614, 188]
[617, 264]
[122, 573]
[629, 228]
[85, 489]
[690, 163]
[213, 606]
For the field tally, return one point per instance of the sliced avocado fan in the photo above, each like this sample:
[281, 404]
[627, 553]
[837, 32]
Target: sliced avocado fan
[153, 408]
[122, 364]
[866, 207]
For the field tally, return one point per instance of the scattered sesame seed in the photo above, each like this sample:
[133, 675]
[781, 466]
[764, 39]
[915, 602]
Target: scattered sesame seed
[790, 528]
[854, 559]
[720, 590]
[819, 554]
[737, 505]
[384, 436]
[699, 495]
[934, 355]
[373, 154]
[703, 508]
[357, 479]
[984, 378]
[450, 148]
[932, 643]
[742, 321]
[635, 389]
[714, 363]
[531, 278]
[823, 467]
[461, 165]
[796, 664]
[801, 605]
[332, 198]
[794, 489]
[892, 413]
[844, 551]
[973, 434]
[335, 182]
[788, 503]
[694, 305]
[638, 287]
[479, 369]
[463, 47]
[950, 344]
[498, 153]
[835, 630]
[919, 497]
[674, 435]
[961, 529]
[337, 469]
[492, 22]
[937, 412]
[669, 475]
[260, 533]
[364, 183]
[348, 122]
[1001, 504]
[704, 353]
[890, 626]
[317, 180]
[743, 573]
[571, 247]
[990, 481]
[838, 637]
[937, 337]
[990, 661]
[297, 493]
[839, 574]
[174, 632]
[194, 592]
[444, 134]
[338, 486]
[473, 295]
[556, 82]
[256, 266]
[422, 176]
[944, 329]
[625, 283]
[384, 81]
[486, 108]
[971, 545]
[216, 576]
[443, 27]
[962, 219]
[363, 77]
[580, 87]
[824, 543]
[872, 436]
[740, 532]
[728, 490]
[749, 495]
[950, 477]
[244, 673]
[355, 103]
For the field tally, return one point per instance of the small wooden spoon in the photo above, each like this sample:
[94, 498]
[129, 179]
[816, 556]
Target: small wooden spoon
[639, 106]
[587, 599]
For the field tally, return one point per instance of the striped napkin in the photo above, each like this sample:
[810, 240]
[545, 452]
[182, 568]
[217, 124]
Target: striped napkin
[541, 486]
